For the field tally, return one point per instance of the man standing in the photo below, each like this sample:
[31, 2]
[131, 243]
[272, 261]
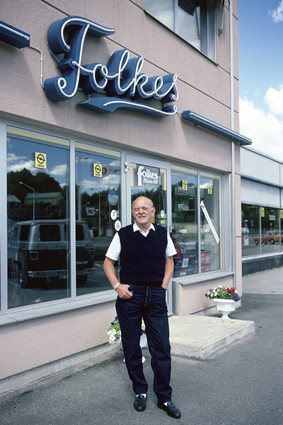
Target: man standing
[146, 267]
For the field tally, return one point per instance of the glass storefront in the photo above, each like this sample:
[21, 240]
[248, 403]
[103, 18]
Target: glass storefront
[38, 217]
[262, 230]
[59, 191]
[38, 242]
[98, 182]
[195, 222]
[185, 222]
[210, 223]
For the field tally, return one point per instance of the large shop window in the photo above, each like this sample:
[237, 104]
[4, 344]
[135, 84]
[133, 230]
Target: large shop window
[42, 263]
[210, 223]
[38, 245]
[192, 20]
[262, 230]
[98, 185]
[196, 222]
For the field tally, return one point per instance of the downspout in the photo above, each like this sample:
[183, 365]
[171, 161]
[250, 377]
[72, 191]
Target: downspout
[233, 192]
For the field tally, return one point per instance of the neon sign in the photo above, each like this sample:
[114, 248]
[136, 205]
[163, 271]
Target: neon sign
[104, 84]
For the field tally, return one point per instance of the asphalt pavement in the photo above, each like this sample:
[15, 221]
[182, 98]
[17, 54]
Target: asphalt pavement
[240, 384]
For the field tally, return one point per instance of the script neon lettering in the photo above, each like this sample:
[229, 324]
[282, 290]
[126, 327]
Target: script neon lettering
[122, 76]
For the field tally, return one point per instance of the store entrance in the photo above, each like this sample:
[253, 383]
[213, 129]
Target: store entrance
[150, 178]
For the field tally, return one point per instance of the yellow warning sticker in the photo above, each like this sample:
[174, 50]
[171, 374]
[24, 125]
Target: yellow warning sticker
[97, 170]
[40, 160]
[184, 184]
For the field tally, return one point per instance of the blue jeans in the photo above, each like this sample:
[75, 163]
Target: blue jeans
[148, 303]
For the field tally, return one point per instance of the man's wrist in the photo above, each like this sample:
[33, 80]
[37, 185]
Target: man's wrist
[117, 284]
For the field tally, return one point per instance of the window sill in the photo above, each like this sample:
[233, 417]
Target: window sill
[192, 280]
[21, 314]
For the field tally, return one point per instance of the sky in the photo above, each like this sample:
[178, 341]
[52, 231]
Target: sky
[261, 74]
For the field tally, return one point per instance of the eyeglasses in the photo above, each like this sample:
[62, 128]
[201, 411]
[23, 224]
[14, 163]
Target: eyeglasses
[143, 209]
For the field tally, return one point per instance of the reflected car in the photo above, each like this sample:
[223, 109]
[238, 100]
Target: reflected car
[40, 249]
[269, 238]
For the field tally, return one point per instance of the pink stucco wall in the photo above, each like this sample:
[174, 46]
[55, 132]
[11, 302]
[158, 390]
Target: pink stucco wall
[204, 87]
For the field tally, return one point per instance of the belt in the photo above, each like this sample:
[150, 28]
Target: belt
[151, 284]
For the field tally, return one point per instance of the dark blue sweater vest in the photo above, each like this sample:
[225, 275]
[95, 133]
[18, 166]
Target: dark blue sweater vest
[142, 259]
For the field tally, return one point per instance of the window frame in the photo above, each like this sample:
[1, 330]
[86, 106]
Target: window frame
[206, 25]
[18, 314]
[32, 311]
[267, 242]
[223, 225]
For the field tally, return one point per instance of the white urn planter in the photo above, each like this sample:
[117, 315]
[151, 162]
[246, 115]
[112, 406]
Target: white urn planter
[143, 340]
[225, 307]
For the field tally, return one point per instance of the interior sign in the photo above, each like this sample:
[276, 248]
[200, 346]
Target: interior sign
[146, 175]
[40, 160]
[119, 84]
[185, 185]
[97, 170]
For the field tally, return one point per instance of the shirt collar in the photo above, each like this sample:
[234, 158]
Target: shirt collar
[136, 228]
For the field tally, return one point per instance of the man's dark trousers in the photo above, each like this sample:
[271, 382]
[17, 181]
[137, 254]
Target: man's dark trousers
[149, 303]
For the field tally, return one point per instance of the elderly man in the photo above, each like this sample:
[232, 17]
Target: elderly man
[146, 267]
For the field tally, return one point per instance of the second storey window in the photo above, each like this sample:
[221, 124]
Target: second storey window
[192, 20]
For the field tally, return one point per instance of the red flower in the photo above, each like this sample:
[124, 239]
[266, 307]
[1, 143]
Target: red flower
[230, 290]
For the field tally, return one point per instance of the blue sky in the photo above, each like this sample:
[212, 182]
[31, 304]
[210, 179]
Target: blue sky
[261, 74]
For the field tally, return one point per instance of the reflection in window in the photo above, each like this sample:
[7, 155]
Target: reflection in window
[37, 207]
[261, 230]
[48, 233]
[210, 224]
[184, 218]
[192, 20]
[98, 211]
[197, 244]
[151, 182]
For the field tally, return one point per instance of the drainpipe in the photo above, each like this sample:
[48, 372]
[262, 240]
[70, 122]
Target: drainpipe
[233, 192]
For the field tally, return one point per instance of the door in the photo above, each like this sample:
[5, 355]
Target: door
[150, 178]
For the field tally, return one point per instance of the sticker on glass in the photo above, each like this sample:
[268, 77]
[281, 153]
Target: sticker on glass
[97, 170]
[117, 225]
[40, 160]
[113, 214]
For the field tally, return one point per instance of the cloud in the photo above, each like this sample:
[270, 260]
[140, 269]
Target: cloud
[18, 163]
[277, 14]
[274, 100]
[59, 170]
[264, 128]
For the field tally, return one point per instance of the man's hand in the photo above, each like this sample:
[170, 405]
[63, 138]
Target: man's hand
[123, 292]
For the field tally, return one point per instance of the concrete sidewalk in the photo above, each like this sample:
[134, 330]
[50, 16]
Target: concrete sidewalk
[198, 337]
[239, 385]
[194, 336]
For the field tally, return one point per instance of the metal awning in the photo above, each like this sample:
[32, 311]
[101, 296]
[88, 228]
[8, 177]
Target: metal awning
[197, 119]
[14, 36]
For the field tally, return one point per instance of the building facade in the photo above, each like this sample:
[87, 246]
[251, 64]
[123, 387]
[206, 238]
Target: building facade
[102, 101]
[262, 211]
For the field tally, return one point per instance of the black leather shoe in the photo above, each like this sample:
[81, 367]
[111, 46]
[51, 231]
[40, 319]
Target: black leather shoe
[140, 403]
[170, 409]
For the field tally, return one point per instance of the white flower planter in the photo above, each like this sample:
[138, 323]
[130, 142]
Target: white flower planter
[143, 340]
[225, 307]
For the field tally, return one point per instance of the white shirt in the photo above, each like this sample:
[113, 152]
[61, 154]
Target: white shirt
[114, 249]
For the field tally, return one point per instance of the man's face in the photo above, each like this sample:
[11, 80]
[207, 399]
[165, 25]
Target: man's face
[142, 211]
